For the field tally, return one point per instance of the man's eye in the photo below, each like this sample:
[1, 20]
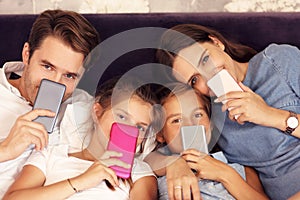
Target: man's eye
[48, 67]
[70, 76]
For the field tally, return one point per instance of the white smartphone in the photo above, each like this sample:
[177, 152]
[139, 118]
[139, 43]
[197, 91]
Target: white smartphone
[49, 96]
[194, 137]
[222, 83]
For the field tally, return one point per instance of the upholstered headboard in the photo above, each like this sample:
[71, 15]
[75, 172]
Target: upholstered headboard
[254, 29]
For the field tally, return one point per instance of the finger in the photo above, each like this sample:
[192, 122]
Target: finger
[37, 136]
[107, 154]
[115, 162]
[195, 191]
[186, 191]
[36, 113]
[244, 87]
[112, 177]
[191, 151]
[170, 189]
[229, 96]
[177, 192]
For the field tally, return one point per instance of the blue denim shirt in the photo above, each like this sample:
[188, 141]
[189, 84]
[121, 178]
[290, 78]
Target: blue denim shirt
[274, 74]
[210, 190]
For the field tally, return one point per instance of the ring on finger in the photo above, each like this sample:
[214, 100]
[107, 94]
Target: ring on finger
[178, 187]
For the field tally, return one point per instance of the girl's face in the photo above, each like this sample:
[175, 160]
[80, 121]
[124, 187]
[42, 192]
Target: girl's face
[185, 109]
[134, 112]
[199, 62]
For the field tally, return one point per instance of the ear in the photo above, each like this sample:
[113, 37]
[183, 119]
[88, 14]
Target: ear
[25, 53]
[160, 137]
[217, 42]
[97, 112]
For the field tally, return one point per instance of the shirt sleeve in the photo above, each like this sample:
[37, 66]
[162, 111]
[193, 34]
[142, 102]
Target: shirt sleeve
[38, 159]
[140, 169]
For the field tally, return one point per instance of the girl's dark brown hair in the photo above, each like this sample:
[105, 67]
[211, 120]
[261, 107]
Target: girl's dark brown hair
[185, 35]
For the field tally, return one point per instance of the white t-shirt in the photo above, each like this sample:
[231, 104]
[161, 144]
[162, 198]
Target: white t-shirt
[12, 105]
[57, 166]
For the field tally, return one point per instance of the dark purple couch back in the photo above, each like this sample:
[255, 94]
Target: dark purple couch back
[254, 29]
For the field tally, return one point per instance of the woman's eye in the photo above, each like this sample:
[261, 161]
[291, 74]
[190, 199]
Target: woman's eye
[205, 59]
[194, 81]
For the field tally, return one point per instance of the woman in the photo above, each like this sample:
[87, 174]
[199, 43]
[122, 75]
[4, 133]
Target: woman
[53, 173]
[262, 136]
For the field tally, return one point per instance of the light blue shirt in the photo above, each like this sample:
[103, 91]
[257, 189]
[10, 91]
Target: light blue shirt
[210, 190]
[274, 74]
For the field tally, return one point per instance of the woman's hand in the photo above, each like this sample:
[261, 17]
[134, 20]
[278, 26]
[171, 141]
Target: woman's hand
[181, 181]
[100, 171]
[206, 166]
[247, 105]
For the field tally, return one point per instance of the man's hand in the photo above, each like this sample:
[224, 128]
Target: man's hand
[24, 133]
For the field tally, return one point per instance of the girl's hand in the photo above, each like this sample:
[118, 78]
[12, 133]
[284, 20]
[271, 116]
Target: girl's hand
[206, 166]
[247, 105]
[182, 183]
[100, 171]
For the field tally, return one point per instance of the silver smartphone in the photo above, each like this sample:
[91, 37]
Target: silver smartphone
[49, 96]
[194, 137]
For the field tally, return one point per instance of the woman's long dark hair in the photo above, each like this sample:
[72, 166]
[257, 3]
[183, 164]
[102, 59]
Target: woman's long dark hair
[185, 35]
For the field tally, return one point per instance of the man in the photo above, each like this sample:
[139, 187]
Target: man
[58, 44]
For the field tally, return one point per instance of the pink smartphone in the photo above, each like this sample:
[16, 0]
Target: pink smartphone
[123, 138]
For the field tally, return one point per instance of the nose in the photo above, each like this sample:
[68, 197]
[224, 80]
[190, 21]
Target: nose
[187, 122]
[57, 78]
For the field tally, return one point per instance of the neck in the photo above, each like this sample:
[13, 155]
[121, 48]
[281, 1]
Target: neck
[95, 147]
[241, 71]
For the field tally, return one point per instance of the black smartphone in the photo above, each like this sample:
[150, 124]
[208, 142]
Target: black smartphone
[49, 96]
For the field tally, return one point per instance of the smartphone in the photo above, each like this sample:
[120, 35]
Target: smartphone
[123, 138]
[49, 96]
[222, 83]
[194, 137]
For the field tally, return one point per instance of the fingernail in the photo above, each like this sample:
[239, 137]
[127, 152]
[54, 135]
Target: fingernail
[217, 100]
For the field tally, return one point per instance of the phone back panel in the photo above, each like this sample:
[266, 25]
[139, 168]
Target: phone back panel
[222, 83]
[194, 137]
[49, 96]
[123, 138]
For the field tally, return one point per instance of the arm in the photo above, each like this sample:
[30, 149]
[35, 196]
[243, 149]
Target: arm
[145, 188]
[178, 174]
[23, 133]
[31, 180]
[212, 169]
[252, 108]
[30, 184]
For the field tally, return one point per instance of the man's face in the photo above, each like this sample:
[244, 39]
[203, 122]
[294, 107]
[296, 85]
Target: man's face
[54, 61]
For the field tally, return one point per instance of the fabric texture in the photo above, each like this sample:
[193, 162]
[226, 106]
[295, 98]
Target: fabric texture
[274, 74]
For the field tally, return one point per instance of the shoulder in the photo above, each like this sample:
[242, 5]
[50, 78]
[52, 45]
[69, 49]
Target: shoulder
[281, 50]
[140, 169]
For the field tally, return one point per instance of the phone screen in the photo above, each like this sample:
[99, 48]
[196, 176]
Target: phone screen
[123, 138]
[49, 96]
[193, 137]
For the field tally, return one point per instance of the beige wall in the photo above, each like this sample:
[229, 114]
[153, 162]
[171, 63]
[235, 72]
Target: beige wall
[145, 6]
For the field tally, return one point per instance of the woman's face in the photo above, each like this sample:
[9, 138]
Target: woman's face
[134, 112]
[186, 109]
[199, 62]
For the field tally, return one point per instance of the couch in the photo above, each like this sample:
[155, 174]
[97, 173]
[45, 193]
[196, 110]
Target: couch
[254, 29]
